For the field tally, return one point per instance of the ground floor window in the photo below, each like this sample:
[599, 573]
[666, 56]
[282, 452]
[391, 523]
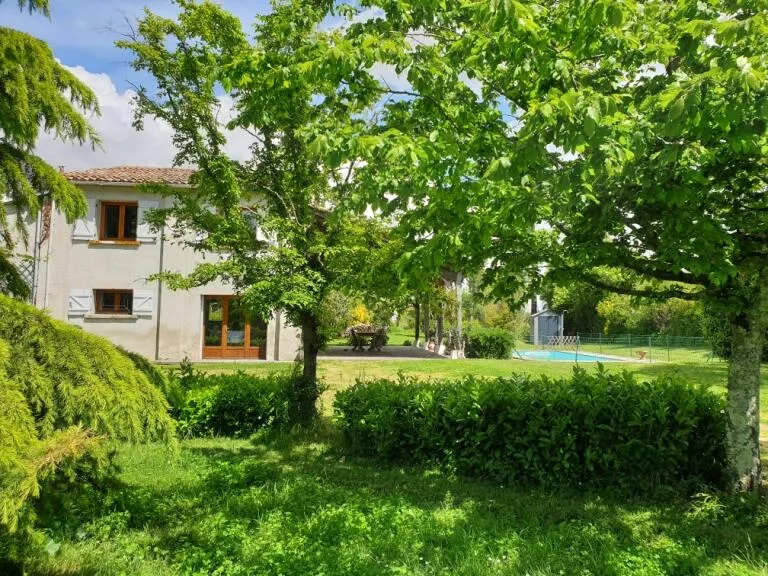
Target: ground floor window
[113, 301]
[230, 332]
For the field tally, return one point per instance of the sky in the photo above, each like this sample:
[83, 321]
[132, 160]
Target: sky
[81, 34]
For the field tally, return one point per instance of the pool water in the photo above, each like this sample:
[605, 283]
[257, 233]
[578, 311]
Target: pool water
[565, 356]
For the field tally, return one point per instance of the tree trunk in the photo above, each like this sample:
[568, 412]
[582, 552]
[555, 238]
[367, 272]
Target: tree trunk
[747, 331]
[426, 324]
[439, 330]
[417, 311]
[307, 389]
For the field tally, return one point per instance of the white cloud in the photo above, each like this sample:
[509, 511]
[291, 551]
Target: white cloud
[121, 144]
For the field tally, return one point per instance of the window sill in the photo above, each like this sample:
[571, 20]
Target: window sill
[113, 243]
[125, 317]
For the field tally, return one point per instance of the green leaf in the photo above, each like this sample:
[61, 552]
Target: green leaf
[677, 108]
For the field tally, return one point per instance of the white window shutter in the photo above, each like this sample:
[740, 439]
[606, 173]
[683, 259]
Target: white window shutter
[85, 228]
[143, 302]
[80, 302]
[143, 232]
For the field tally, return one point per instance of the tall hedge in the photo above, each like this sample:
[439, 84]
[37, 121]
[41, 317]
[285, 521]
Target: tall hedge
[593, 428]
[62, 391]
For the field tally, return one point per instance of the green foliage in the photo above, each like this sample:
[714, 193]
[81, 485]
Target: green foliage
[637, 131]
[283, 216]
[488, 343]
[63, 391]
[36, 93]
[237, 404]
[717, 330]
[594, 428]
[336, 315]
[171, 387]
[580, 302]
[502, 315]
[621, 314]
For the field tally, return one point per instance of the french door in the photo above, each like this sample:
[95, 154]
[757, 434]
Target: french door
[229, 332]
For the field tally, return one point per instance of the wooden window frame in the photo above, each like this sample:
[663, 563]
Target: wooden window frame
[97, 294]
[121, 222]
[224, 350]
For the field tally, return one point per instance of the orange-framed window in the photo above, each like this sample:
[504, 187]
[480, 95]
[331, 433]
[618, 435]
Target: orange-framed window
[113, 301]
[119, 221]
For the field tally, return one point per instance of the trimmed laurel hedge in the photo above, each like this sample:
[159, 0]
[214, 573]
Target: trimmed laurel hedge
[236, 404]
[595, 428]
[488, 343]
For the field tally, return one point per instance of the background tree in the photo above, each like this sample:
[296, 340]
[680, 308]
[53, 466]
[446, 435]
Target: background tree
[36, 94]
[284, 235]
[636, 130]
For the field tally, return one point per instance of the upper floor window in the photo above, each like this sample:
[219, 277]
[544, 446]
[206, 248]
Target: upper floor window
[119, 220]
[114, 301]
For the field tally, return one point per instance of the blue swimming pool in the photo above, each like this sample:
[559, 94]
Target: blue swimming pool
[565, 356]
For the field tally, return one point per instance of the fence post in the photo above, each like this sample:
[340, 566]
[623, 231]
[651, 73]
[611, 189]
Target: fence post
[667, 347]
[650, 349]
[577, 349]
[630, 345]
[600, 340]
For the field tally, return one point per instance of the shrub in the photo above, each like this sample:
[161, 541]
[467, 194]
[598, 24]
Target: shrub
[407, 343]
[167, 384]
[237, 404]
[62, 391]
[488, 343]
[599, 428]
[717, 330]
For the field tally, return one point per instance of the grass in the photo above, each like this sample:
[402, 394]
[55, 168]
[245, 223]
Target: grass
[296, 506]
[655, 353]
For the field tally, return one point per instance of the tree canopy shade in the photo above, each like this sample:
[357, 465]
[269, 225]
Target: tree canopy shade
[36, 94]
[637, 131]
[276, 226]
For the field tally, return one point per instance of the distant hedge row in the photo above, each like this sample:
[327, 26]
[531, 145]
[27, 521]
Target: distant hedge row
[595, 428]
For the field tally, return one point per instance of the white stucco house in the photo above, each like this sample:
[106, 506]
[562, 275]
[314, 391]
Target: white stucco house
[95, 274]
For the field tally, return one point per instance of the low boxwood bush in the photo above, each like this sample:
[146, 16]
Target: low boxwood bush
[488, 343]
[593, 428]
[237, 404]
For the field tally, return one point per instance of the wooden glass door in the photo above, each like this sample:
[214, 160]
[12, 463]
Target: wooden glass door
[228, 332]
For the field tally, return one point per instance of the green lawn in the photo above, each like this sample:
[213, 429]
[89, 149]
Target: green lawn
[296, 505]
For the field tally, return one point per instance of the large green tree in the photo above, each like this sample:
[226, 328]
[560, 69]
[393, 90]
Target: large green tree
[635, 130]
[37, 94]
[277, 226]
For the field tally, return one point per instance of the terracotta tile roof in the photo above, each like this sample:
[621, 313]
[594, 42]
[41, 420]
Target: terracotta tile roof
[132, 174]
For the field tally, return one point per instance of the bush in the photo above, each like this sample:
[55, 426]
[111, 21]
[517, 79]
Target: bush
[237, 404]
[407, 343]
[488, 343]
[599, 428]
[717, 331]
[167, 384]
[62, 391]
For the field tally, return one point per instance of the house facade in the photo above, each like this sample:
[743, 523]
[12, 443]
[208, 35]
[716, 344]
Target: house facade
[95, 273]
